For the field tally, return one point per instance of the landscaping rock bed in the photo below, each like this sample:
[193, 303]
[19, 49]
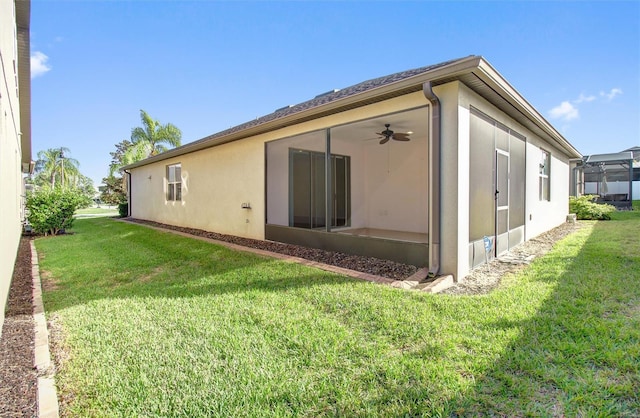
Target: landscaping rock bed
[18, 377]
[370, 265]
[485, 278]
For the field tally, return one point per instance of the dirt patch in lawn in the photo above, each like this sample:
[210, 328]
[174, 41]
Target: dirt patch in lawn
[48, 282]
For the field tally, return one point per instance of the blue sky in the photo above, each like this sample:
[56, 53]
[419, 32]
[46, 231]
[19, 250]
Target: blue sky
[208, 65]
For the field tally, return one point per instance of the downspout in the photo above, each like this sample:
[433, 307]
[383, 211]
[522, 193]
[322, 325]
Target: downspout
[435, 140]
[128, 192]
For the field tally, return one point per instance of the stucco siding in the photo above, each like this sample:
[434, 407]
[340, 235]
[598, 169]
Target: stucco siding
[10, 153]
[540, 216]
[453, 181]
[543, 215]
[217, 180]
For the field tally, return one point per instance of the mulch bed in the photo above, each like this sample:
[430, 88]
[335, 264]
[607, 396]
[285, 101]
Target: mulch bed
[18, 377]
[370, 265]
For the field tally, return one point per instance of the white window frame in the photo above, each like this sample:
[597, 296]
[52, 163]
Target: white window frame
[545, 176]
[174, 182]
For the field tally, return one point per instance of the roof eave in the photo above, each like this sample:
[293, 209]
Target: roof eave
[496, 81]
[23, 18]
[473, 64]
[459, 67]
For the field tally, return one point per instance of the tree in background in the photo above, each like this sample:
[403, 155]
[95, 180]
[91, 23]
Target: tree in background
[151, 139]
[146, 141]
[54, 166]
[112, 191]
[85, 185]
[59, 190]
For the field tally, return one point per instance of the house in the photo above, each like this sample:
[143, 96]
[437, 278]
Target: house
[15, 133]
[416, 167]
[613, 177]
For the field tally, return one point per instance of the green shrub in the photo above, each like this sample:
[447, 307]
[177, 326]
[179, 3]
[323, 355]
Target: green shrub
[51, 210]
[123, 209]
[585, 207]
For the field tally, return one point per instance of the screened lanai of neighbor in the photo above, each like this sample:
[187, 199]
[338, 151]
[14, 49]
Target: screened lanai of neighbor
[611, 178]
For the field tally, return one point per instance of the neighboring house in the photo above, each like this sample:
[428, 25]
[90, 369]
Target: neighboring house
[613, 177]
[15, 133]
[469, 157]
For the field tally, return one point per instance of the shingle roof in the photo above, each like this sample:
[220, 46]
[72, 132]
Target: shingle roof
[473, 71]
[332, 96]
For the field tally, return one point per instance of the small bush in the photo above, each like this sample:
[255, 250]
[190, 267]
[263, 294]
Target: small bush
[123, 209]
[51, 210]
[586, 208]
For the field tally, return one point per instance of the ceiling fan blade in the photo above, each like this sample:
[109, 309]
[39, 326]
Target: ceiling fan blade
[401, 137]
[385, 140]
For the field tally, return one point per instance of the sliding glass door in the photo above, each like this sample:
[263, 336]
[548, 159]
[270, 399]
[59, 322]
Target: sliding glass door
[308, 191]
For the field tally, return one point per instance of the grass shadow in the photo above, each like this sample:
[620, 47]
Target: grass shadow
[108, 259]
[246, 335]
[579, 355]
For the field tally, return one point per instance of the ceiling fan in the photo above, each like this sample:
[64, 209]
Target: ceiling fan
[388, 134]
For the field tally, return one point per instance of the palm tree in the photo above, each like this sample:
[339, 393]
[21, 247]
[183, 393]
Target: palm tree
[153, 138]
[146, 141]
[54, 165]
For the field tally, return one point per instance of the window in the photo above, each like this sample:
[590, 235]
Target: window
[174, 182]
[545, 174]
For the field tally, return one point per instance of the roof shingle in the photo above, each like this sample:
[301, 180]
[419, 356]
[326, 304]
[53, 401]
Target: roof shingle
[332, 96]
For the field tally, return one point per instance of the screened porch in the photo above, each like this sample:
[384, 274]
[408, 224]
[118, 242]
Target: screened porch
[357, 188]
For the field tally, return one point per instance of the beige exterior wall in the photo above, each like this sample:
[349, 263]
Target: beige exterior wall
[216, 181]
[454, 230]
[456, 100]
[10, 152]
[544, 215]
[540, 215]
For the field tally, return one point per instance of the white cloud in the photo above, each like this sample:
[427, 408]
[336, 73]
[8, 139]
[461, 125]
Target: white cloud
[582, 98]
[39, 64]
[565, 111]
[612, 93]
[568, 109]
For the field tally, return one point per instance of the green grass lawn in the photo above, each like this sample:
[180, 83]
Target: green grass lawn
[161, 325]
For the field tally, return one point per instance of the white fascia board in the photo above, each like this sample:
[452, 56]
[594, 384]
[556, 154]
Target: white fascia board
[497, 82]
[459, 67]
